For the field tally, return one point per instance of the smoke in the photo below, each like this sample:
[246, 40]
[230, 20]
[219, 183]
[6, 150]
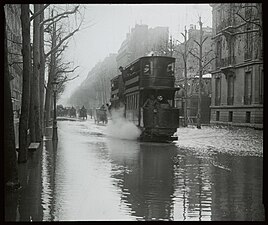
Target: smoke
[119, 127]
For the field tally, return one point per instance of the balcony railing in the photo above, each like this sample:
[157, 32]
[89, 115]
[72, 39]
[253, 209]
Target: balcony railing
[230, 100]
[247, 100]
[228, 61]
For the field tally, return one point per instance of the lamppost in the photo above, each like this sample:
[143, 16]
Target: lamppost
[55, 131]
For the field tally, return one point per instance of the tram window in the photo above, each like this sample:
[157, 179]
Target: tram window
[147, 67]
[170, 69]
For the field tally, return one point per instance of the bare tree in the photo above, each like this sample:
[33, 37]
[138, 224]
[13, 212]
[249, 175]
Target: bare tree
[57, 42]
[203, 63]
[24, 117]
[183, 50]
[36, 74]
[10, 162]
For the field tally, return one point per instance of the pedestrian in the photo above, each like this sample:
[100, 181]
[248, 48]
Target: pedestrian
[150, 102]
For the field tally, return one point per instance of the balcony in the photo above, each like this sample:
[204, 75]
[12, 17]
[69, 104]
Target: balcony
[225, 62]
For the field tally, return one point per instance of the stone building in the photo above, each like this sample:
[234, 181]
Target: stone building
[14, 45]
[140, 41]
[237, 76]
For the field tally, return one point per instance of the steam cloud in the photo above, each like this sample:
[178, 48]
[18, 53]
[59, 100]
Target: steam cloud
[119, 127]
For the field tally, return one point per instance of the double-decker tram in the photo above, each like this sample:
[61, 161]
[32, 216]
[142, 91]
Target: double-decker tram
[145, 89]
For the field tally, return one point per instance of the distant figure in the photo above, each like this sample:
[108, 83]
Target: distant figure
[83, 113]
[162, 102]
[91, 113]
[169, 70]
[150, 102]
[102, 107]
[72, 112]
[108, 109]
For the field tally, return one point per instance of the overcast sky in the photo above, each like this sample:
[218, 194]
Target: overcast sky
[113, 21]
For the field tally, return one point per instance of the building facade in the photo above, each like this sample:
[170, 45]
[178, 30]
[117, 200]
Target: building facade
[237, 76]
[140, 41]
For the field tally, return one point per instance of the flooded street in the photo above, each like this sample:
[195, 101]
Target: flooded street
[209, 174]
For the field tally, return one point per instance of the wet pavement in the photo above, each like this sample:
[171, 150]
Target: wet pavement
[208, 174]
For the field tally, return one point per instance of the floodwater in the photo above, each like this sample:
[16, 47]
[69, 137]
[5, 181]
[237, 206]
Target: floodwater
[210, 174]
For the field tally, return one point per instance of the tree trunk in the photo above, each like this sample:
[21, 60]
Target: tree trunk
[185, 79]
[200, 77]
[24, 117]
[36, 73]
[31, 114]
[42, 72]
[10, 159]
[50, 78]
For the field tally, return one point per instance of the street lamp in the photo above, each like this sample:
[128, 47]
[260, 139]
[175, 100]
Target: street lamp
[55, 132]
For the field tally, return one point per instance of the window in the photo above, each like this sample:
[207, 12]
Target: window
[218, 59]
[261, 87]
[147, 67]
[230, 118]
[247, 117]
[217, 115]
[248, 88]
[170, 69]
[230, 91]
[217, 91]
[249, 43]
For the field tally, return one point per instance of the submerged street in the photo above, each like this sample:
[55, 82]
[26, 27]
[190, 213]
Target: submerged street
[208, 174]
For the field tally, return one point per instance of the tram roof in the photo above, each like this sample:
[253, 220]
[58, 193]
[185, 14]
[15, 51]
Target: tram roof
[144, 57]
[160, 88]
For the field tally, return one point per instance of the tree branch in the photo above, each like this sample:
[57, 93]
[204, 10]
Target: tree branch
[204, 40]
[47, 27]
[197, 43]
[194, 55]
[248, 21]
[67, 71]
[61, 14]
[208, 62]
[14, 42]
[59, 44]
[248, 31]
[207, 53]
[39, 12]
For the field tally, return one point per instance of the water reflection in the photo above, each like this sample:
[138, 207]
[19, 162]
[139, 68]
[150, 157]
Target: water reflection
[89, 177]
[145, 177]
[163, 182]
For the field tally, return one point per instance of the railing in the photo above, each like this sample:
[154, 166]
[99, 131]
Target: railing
[224, 62]
[230, 100]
